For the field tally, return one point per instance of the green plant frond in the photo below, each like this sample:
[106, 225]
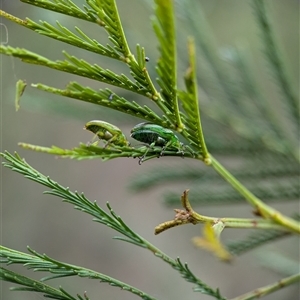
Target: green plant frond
[256, 239]
[139, 72]
[31, 285]
[109, 19]
[190, 101]
[102, 97]
[274, 58]
[82, 68]
[83, 152]
[107, 76]
[190, 277]
[66, 7]
[17, 164]
[43, 263]
[266, 126]
[164, 27]
[76, 66]
[108, 14]
[190, 115]
[94, 152]
[189, 133]
[120, 50]
[80, 40]
[80, 202]
[107, 98]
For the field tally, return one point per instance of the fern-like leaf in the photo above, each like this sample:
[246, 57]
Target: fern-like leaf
[66, 7]
[31, 285]
[43, 263]
[107, 12]
[190, 101]
[94, 152]
[164, 28]
[111, 219]
[74, 65]
[80, 40]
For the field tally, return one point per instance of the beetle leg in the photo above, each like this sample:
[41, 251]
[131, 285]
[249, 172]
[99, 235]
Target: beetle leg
[144, 155]
[111, 140]
[92, 141]
[151, 146]
[164, 148]
[190, 150]
[141, 160]
[181, 150]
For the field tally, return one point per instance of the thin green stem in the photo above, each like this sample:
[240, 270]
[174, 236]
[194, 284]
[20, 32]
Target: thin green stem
[239, 222]
[264, 210]
[12, 18]
[190, 216]
[268, 289]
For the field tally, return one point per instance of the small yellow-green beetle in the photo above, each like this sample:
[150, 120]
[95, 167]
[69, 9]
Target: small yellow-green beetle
[107, 132]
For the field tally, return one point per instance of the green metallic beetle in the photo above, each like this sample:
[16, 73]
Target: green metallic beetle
[107, 132]
[156, 135]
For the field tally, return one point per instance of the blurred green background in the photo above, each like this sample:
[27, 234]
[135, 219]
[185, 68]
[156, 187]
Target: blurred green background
[49, 226]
